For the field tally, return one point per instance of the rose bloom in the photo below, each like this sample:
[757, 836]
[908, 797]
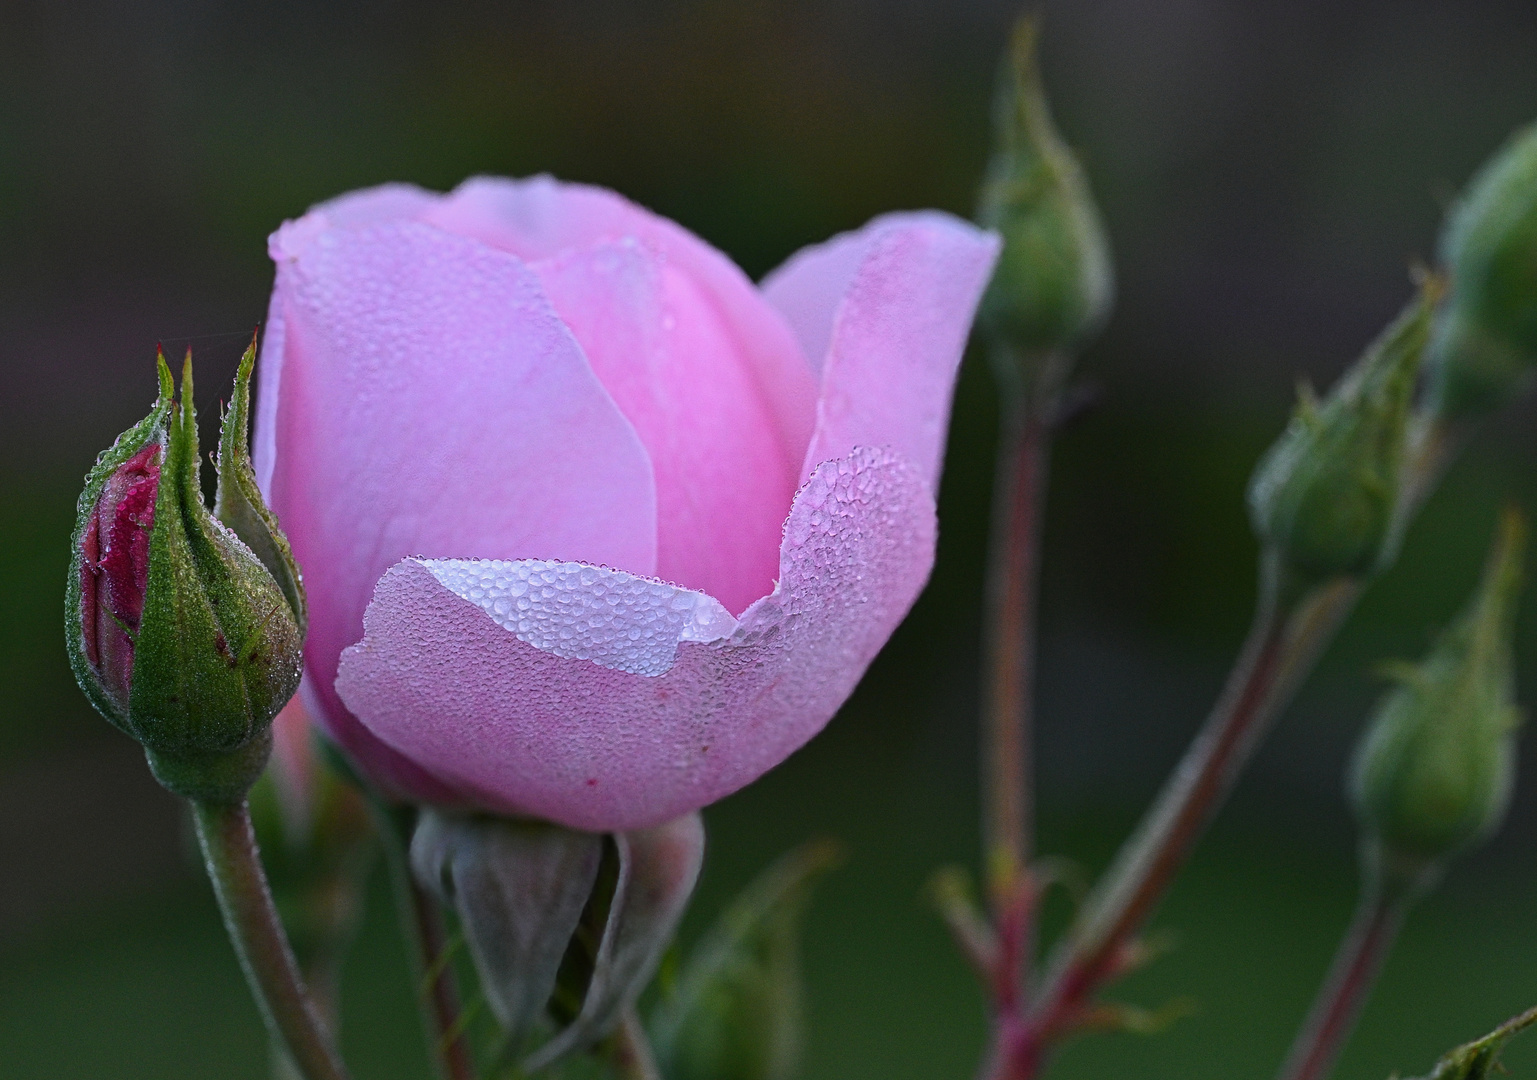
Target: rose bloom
[593, 529]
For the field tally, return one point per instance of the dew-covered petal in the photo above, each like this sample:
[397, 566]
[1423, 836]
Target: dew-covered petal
[420, 394]
[521, 729]
[540, 217]
[581, 612]
[888, 308]
[723, 481]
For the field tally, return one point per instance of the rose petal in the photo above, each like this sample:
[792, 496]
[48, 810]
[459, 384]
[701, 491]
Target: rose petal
[892, 305]
[582, 612]
[540, 217]
[809, 286]
[520, 730]
[723, 482]
[427, 398]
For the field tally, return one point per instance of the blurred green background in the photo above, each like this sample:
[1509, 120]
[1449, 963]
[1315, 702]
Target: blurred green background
[1269, 170]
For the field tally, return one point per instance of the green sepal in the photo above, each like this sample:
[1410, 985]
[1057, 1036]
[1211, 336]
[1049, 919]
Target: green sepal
[218, 652]
[151, 428]
[1325, 497]
[1054, 283]
[239, 503]
[1435, 770]
[219, 778]
[736, 1012]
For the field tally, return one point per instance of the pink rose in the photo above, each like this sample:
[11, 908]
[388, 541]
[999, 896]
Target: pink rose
[593, 529]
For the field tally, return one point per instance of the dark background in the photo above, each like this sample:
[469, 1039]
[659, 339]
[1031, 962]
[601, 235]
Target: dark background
[1269, 171]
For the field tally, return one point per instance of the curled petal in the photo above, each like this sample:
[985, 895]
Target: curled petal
[888, 310]
[519, 728]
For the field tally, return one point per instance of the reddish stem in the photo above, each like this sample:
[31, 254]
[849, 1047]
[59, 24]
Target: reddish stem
[1013, 574]
[1289, 631]
[1019, 494]
[1339, 1001]
[441, 991]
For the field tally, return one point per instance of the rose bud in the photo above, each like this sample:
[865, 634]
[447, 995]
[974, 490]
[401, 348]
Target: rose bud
[628, 528]
[1434, 770]
[1484, 352]
[561, 925]
[177, 632]
[1324, 499]
[1054, 283]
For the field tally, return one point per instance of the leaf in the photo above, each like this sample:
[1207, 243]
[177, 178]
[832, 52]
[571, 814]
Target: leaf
[737, 1012]
[1480, 1059]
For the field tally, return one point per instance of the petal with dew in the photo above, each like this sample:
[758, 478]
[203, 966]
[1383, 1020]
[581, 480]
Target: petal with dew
[521, 729]
[540, 217]
[723, 482]
[428, 398]
[907, 287]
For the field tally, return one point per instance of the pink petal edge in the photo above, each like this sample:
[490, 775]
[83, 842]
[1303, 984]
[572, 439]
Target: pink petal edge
[888, 308]
[516, 729]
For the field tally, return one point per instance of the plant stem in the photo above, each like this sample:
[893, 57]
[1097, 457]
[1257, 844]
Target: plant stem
[630, 1049]
[229, 852]
[421, 924]
[1356, 964]
[1024, 448]
[1291, 627]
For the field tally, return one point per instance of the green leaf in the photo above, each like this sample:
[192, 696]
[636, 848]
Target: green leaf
[736, 1013]
[1480, 1058]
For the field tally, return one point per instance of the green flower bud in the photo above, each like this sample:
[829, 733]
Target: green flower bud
[177, 632]
[1325, 496]
[1484, 352]
[1054, 284]
[1433, 773]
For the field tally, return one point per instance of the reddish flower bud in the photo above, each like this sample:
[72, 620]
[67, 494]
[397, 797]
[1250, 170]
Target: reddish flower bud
[178, 631]
[114, 569]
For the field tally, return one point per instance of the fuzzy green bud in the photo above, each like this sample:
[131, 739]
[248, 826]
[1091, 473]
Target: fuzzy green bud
[1325, 496]
[1434, 770]
[1484, 352]
[177, 632]
[1054, 284]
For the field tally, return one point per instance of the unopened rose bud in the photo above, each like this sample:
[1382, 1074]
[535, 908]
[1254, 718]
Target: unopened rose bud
[176, 631]
[565, 924]
[1325, 497]
[1484, 351]
[1434, 771]
[1054, 284]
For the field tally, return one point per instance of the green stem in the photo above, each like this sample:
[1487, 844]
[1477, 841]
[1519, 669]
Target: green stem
[437, 991]
[229, 852]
